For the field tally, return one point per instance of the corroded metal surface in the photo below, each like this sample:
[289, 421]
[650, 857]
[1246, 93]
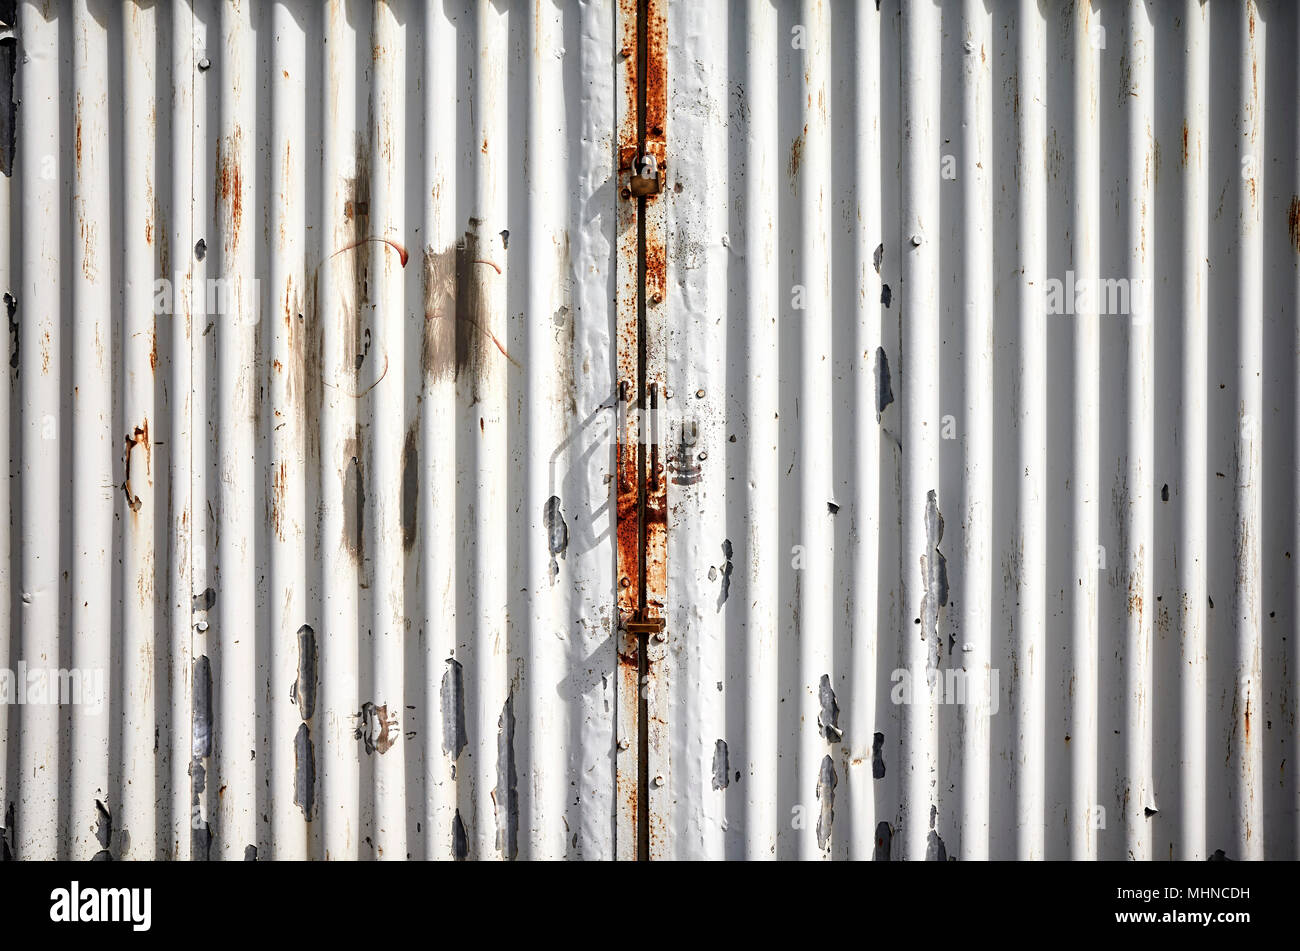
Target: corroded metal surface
[633, 429]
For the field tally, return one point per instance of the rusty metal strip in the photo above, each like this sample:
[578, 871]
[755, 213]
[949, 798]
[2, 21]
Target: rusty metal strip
[641, 487]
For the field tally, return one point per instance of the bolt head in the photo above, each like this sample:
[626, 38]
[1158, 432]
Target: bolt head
[661, 635]
[623, 744]
[699, 394]
[658, 781]
[205, 63]
[201, 626]
[916, 240]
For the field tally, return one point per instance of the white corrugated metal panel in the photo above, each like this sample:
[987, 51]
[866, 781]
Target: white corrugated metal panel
[909, 461]
[336, 330]
[333, 525]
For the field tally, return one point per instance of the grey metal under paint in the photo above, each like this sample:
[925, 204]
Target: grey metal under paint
[399, 438]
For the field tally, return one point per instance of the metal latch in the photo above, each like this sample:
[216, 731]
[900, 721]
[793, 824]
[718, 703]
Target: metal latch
[654, 625]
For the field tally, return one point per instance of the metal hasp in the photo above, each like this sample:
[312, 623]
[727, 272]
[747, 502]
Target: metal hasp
[642, 37]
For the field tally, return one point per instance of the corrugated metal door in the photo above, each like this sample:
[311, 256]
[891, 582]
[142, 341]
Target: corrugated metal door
[592, 429]
[983, 538]
[327, 509]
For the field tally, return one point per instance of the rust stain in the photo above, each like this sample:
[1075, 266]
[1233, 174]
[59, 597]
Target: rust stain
[1185, 158]
[1293, 222]
[153, 350]
[230, 182]
[45, 351]
[88, 231]
[376, 728]
[279, 487]
[796, 155]
[80, 105]
[139, 436]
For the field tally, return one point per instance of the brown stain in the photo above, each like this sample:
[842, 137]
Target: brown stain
[230, 183]
[88, 251]
[796, 155]
[153, 349]
[286, 176]
[279, 488]
[354, 498]
[356, 227]
[656, 80]
[376, 728]
[139, 436]
[80, 106]
[1185, 157]
[410, 495]
[459, 338]
[304, 387]
[46, 343]
[1293, 222]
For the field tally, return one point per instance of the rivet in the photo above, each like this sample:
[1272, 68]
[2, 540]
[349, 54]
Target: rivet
[204, 63]
[668, 393]
[916, 240]
[627, 193]
[624, 581]
[623, 744]
[699, 394]
[703, 456]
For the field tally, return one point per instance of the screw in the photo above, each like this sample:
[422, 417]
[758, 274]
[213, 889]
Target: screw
[204, 63]
[916, 240]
